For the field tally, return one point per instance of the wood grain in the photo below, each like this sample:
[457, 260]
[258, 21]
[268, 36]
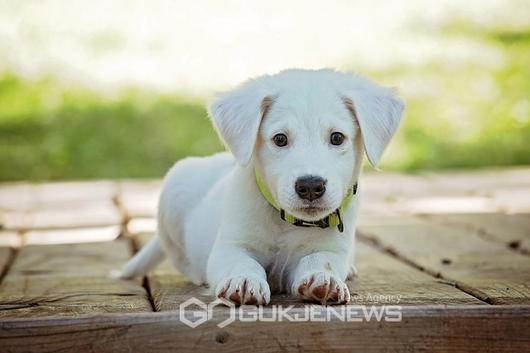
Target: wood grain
[16, 196]
[71, 235]
[507, 190]
[70, 280]
[383, 279]
[422, 329]
[139, 199]
[58, 205]
[9, 238]
[512, 230]
[69, 215]
[486, 269]
[495, 190]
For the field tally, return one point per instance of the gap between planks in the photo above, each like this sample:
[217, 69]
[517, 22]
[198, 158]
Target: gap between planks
[7, 257]
[117, 201]
[133, 241]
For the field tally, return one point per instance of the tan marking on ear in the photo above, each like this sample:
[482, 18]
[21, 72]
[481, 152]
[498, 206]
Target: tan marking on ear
[351, 108]
[349, 105]
[266, 103]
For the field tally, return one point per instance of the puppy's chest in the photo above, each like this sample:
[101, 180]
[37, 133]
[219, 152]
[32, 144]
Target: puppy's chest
[282, 256]
[282, 262]
[284, 244]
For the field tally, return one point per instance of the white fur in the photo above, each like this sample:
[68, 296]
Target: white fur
[215, 225]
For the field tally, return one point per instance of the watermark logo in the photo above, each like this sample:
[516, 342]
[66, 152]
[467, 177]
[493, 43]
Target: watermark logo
[194, 312]
[204, 312]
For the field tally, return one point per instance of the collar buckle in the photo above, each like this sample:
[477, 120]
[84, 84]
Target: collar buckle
[321, 223]
[340, 226]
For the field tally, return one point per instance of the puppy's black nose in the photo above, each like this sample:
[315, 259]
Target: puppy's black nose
[310, 187]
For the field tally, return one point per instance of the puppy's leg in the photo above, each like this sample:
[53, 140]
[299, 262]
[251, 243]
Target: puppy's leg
[237, 277]
[319, 277]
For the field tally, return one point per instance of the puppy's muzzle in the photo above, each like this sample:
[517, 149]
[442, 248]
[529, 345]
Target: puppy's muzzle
[310, 187]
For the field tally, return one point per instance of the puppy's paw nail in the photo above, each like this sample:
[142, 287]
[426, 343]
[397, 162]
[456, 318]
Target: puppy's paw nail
[321, 291]
[323, 288]
[241, 291]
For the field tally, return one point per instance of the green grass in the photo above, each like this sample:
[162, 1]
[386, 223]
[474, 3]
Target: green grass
[470, 116]
[49, 133]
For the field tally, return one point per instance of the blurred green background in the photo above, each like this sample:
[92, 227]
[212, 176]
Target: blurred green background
[462, 111]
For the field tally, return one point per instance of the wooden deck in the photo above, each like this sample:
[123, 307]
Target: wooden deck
[451, 251]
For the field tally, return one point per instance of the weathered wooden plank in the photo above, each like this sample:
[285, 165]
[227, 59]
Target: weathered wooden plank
[59, 194]
[70, 215]
[26, 196]
[512, 230]
[15, 220]
[5, 255]
[10, 238]
[58, 205]
[486, 269]
[86, 214]
[388, 220]
[496, 190]
[73, 235]
[70, 280]
[421, 329]
[507, 189]
[448, 204]
[16, 196]
[381, 280]
[139, 199]
[480, 181]
[139, 225]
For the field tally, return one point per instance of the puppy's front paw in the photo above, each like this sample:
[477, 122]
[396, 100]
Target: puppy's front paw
[244, 290]
[323, 288]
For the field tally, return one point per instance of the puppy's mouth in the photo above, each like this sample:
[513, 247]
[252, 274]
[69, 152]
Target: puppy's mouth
[311, 209]
[311, 213]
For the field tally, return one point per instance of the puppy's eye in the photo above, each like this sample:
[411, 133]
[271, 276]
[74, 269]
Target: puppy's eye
[336, 138]
[280, 140]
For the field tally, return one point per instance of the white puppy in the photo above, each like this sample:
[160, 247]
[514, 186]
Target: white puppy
[279, 213]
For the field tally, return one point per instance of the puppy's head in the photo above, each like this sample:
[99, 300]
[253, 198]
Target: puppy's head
[306, 131]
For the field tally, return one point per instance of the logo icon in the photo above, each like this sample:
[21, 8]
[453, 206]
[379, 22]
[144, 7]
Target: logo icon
[197, 317]
[204, 312]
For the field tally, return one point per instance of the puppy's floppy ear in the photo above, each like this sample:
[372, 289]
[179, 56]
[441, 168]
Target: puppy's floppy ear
[237, 115]
[378, 111]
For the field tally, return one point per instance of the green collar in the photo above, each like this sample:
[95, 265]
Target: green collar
[332, 220]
